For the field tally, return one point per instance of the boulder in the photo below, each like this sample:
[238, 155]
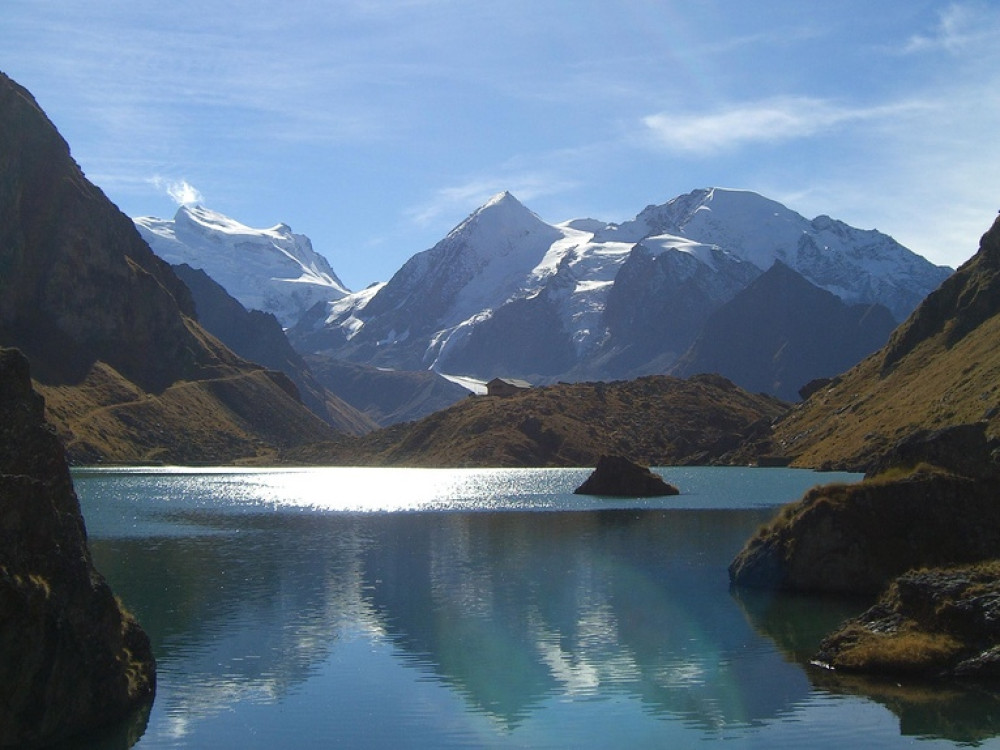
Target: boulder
[618, 477]
[71, 658]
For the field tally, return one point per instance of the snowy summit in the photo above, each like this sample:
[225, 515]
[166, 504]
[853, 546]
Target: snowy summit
[274, 270]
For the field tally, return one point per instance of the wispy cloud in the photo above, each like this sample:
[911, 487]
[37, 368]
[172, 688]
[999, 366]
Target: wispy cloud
[180, 192]
[960, 26]
[769, 121]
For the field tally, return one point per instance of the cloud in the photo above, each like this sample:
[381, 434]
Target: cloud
[181, 192]
[961, 27]
[769, 121]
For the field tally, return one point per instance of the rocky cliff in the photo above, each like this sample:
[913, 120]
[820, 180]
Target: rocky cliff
[932, 502]
[929, 623]
[71, 658]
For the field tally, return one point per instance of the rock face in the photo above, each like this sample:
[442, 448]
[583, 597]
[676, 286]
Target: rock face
[929, 623]
[853, 539]
[618, 477]
[962, 449]
[71, 659]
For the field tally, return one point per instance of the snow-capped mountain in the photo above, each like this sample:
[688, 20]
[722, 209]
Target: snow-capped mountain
[858, 265]
[500, 259]
[506, 293]
[273, 270]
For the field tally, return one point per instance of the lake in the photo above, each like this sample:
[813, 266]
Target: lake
[433, 608]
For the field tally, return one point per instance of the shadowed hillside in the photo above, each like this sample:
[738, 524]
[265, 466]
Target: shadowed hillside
[940, 368]
[127, 373]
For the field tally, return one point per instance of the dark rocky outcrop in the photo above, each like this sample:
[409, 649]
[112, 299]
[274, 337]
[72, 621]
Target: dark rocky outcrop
[853, 539]
[930, 500]
[71, 659]
[961, 449]
[616, 476]
[929, 623]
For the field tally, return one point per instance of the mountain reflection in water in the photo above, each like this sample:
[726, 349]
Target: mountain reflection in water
[554, 628]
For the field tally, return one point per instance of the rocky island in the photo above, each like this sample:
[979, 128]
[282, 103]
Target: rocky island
[616, 476]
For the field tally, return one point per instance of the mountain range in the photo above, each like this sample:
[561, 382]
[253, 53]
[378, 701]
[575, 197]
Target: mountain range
[507, 294]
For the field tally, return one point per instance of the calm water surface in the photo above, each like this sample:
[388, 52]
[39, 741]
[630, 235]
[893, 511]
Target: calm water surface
[424, 608]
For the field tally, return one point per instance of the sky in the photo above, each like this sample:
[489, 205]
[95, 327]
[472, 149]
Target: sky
[376, 126]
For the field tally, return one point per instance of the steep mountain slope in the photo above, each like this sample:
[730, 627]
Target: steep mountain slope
[258, 337]
[508, 294]
[940, 368]
[660, 299]
[657, 420]
[108, 327]
[782, 332]
[273, 270]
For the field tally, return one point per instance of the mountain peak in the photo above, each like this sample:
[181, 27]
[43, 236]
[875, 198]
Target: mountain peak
[504, 196]
[273, 269]
[503, 215]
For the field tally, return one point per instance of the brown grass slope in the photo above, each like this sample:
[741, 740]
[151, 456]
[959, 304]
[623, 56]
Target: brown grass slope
[109, 329]
[656, 420]
[940, 368]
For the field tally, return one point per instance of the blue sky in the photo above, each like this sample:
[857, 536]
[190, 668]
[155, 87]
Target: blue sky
[375, 126]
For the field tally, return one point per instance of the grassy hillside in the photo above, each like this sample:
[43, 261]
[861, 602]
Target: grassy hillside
[655, 420]
[940, 368]
[240, 416]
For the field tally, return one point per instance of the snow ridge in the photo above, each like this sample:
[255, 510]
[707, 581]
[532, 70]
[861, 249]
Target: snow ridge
[274, 269]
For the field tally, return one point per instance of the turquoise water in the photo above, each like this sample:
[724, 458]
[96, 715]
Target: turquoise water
[396, 608]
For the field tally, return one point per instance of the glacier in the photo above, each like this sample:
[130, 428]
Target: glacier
[273, 270]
